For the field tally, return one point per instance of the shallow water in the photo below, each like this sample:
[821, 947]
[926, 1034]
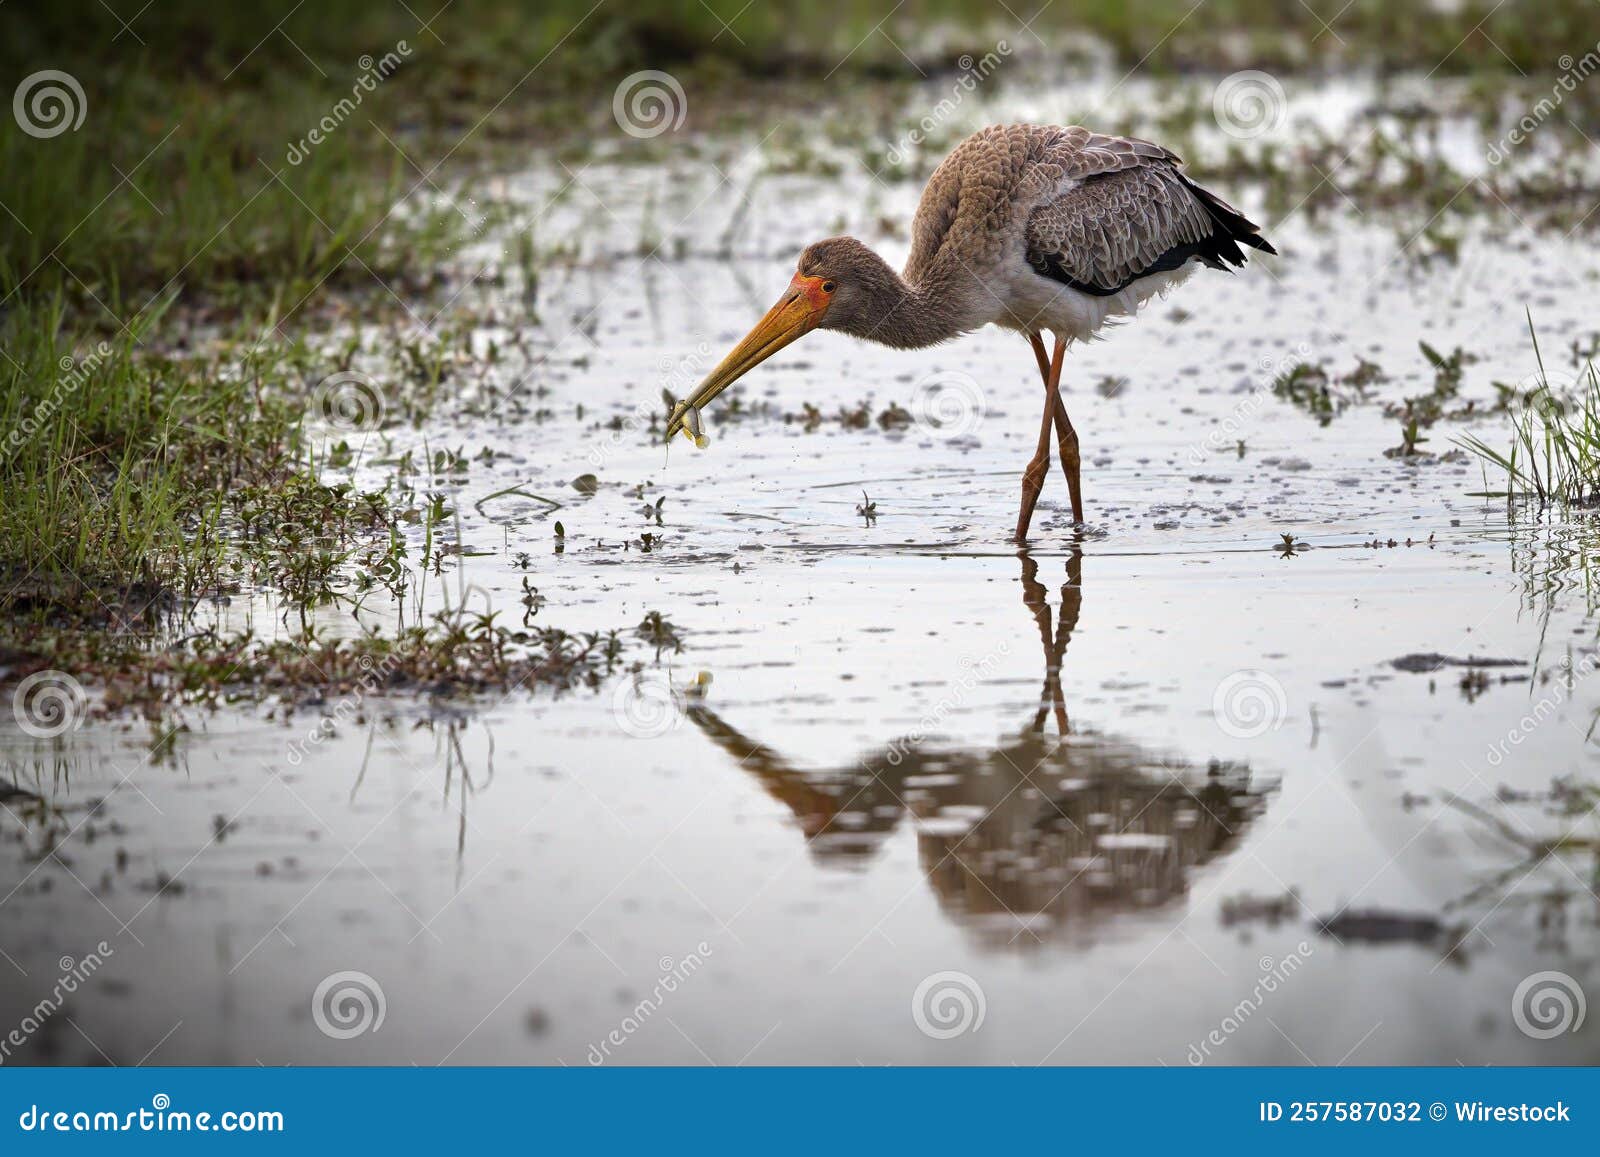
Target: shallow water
[903, 795]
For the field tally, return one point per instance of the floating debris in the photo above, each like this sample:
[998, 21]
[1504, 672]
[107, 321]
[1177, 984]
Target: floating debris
[1426, 662]
[1270, 910]
[1375, 926]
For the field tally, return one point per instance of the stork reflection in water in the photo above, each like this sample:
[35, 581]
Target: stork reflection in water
[1045, 836]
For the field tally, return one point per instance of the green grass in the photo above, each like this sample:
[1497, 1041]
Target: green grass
[1554, 455]
[175, 209]
[493, 42]
[116, 462]
[121, 452]
[199, 198]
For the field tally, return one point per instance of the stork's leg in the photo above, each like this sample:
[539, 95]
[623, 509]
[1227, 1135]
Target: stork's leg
[1055, 641]
[1066, 436]
[1033, 597]
[1033, 476]
[1071, 605]
[1042, 356]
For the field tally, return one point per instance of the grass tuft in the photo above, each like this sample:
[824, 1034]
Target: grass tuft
[1554, 455]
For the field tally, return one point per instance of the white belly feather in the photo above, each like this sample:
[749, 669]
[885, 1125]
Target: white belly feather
[1027, 301]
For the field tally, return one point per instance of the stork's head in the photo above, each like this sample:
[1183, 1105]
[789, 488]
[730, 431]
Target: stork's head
[826, 292]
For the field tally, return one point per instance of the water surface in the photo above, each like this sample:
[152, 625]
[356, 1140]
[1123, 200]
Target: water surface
[905, 794]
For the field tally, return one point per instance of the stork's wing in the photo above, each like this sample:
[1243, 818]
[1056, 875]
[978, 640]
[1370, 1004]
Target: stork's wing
[1119, 210]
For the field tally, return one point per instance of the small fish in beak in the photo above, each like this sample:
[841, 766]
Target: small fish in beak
[797, 312]
[687, 418]
[694, 430]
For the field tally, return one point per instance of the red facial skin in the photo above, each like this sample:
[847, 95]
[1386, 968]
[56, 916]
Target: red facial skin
[811, 289]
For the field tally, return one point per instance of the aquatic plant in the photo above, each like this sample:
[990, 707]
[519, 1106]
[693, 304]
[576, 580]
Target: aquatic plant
[1554, 456]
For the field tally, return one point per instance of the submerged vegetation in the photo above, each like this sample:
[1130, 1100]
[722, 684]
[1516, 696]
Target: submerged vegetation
[304, 438]
[180, 272]
[454, 653]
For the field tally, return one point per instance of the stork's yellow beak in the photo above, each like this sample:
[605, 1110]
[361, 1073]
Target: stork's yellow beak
[797, 313]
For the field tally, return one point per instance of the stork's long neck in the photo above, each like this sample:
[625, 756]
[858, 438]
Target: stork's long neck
[897, 311]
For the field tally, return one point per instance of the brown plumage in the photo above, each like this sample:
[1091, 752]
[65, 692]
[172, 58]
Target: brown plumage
[1029, 227]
